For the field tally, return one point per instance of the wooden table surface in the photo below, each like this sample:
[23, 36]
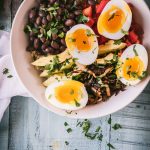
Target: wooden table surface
[28, 126]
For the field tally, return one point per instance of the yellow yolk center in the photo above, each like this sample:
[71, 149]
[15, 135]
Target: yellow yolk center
[111, 21]
[80, 40]
[132, 68]
[69, 92]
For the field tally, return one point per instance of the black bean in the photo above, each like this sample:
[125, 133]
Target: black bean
[69, 22]
[36, 43]
[54, 45]
[91, 2]
[63, 42]
[48, 17]
[44, 46]
[65, 29]
[32, 13]
[78, 12]
[42, 31]
[32, 38]
[54, 36]
[50, 50]
[38, 20]
[77, 2]
[62, 48]
[52, 1]
[71, 16]
[59, 11]
[35, 25]
[43, 39]
[42, 13]
[44, 21]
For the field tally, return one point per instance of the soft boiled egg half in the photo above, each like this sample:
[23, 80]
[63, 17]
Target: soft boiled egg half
[115, 20]
[67, 95]
[82, 44]
[133, 65]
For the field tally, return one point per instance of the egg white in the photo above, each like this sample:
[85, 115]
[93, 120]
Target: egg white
[50, 96]
[129, 53]
[85, 58]
[122, 5]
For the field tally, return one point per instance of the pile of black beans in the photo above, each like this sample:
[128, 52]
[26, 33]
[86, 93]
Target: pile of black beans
[50, 20]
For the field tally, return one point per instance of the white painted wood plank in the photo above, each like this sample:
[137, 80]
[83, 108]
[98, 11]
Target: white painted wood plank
[33, 127]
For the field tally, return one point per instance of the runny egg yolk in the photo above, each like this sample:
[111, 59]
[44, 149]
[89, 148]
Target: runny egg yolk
[112, 20]
[132, 68]
[69, 92]
[80, 40]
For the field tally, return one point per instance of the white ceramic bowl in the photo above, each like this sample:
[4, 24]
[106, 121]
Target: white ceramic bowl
[32, 82]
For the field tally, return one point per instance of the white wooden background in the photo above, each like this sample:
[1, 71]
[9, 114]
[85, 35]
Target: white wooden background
[28, 126]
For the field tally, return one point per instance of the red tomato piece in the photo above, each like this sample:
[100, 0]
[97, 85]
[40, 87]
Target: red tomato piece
[88, 11]
[91, 22]
[133, 37]
[101, 5]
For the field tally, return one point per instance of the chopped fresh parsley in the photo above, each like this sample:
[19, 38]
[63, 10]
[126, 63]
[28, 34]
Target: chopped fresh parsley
[77, 103]
[112, 16]
[5, 71]
[49, 96]
[65, 124]
[110, 146]
[144, 75]
[124, 32]
[118, 42]
[98, 129]
[82, 19]
[117, 126]
[72, 40]
[71, 92]
[134, 50]
[69, 130]
[100, 137]
[9, 76]
[66, 142]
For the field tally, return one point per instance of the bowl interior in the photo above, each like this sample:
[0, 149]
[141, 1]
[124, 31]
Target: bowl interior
[32, 82]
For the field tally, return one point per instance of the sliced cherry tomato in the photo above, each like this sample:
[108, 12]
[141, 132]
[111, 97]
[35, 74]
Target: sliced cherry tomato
[101, 5]
[133, 37]
[128, 43]
[88, 11]
[91, 22]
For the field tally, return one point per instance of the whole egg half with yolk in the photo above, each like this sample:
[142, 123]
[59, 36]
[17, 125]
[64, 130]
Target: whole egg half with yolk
[67, 95]
[132, 65]
[115, 20]
[82, 44]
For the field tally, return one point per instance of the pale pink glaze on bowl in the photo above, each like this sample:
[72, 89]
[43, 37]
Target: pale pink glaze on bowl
[32, 82]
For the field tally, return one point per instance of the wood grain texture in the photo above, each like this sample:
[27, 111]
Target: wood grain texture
[28, 126]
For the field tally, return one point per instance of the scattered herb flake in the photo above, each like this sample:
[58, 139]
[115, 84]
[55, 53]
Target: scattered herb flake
[5, 71]
[117, 126]
[72, 40]
[72, 92]
[124, 32]
[9, 76]
[110, 146]
[65, 124]
[100, 137]
[66, 142]
[112, 16]
[98, 129]
[49, 96]
[69, 130]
